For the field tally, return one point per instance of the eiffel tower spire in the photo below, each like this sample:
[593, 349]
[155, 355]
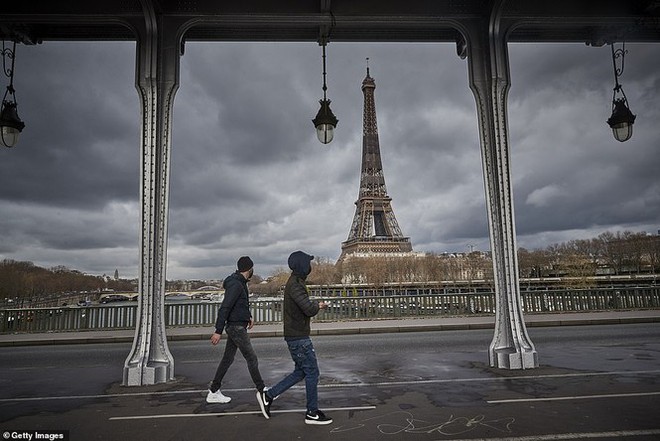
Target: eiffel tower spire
[374, 228]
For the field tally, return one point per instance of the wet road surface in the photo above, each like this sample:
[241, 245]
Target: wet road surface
[594, 382]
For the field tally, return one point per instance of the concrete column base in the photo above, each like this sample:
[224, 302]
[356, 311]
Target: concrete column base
[159, 372]
[510, 359]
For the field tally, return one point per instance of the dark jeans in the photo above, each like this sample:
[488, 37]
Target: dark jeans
[237, 338]
[306, 366]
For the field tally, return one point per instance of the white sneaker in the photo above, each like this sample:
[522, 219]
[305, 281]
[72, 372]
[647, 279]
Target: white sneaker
[217, 397]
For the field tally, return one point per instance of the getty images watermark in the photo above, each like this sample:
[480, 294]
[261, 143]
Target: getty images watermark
[31, 435]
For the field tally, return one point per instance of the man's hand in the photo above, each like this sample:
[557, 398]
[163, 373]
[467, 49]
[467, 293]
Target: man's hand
[323, 305]
[251, 323]
[215, 338]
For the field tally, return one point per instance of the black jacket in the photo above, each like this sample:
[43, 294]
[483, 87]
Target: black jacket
[235, 307]
[298, 307]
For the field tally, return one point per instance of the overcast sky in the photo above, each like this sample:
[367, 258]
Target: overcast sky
[249, 177]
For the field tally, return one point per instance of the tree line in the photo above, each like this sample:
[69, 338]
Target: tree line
[608, 254]
[24, 280]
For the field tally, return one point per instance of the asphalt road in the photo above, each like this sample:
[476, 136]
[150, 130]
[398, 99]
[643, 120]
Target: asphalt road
[595, 382]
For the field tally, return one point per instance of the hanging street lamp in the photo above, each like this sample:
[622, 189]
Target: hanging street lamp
[622, 118]
[325, 121]
[10, 124]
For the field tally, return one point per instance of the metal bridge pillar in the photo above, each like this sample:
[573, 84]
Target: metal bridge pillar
[511, 347]
[157, 80]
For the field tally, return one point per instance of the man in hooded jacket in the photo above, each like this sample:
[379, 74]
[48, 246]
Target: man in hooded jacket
[298, 309]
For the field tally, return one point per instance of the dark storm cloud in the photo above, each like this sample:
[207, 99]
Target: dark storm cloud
[79, 145]
[570, 173]
[249, 177]
[258, 109]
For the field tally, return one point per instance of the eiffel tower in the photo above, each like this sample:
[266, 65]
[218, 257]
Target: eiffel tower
[374, 228]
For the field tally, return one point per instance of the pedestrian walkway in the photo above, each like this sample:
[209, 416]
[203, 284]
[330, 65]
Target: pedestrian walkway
[343, 327]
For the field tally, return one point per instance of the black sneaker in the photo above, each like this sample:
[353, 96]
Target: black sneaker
[317, 417]
[264, 403]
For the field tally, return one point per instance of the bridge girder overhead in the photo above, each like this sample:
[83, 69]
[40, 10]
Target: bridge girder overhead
[355, 21]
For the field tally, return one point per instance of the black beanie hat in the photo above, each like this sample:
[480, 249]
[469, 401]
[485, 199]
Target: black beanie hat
[244, 264]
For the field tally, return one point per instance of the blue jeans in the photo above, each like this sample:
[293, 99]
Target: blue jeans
[306, 366]
[237, 338]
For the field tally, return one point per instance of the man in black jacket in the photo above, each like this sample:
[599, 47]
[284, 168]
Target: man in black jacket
[298, 308]
[235, 319]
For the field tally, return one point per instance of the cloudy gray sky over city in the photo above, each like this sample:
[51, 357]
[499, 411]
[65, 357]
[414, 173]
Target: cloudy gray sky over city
[249, 177]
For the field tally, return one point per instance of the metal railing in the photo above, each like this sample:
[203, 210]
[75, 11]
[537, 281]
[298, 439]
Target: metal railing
[203, 313]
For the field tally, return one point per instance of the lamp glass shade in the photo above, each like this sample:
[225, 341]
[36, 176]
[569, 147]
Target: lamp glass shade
[622, 132]
[621, 121]
[9, 136]
[325, 133]
[10, 124]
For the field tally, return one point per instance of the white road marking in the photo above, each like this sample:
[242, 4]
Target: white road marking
[345, 385]
[87, 397]
[218, 414]
[573, 397]
[489, 379]
[562, 436]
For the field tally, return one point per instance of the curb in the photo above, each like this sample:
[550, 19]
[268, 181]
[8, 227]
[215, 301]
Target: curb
[204, 335]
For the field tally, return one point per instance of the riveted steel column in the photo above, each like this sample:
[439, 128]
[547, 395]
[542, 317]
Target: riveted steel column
[157, 72]
[511, 347]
